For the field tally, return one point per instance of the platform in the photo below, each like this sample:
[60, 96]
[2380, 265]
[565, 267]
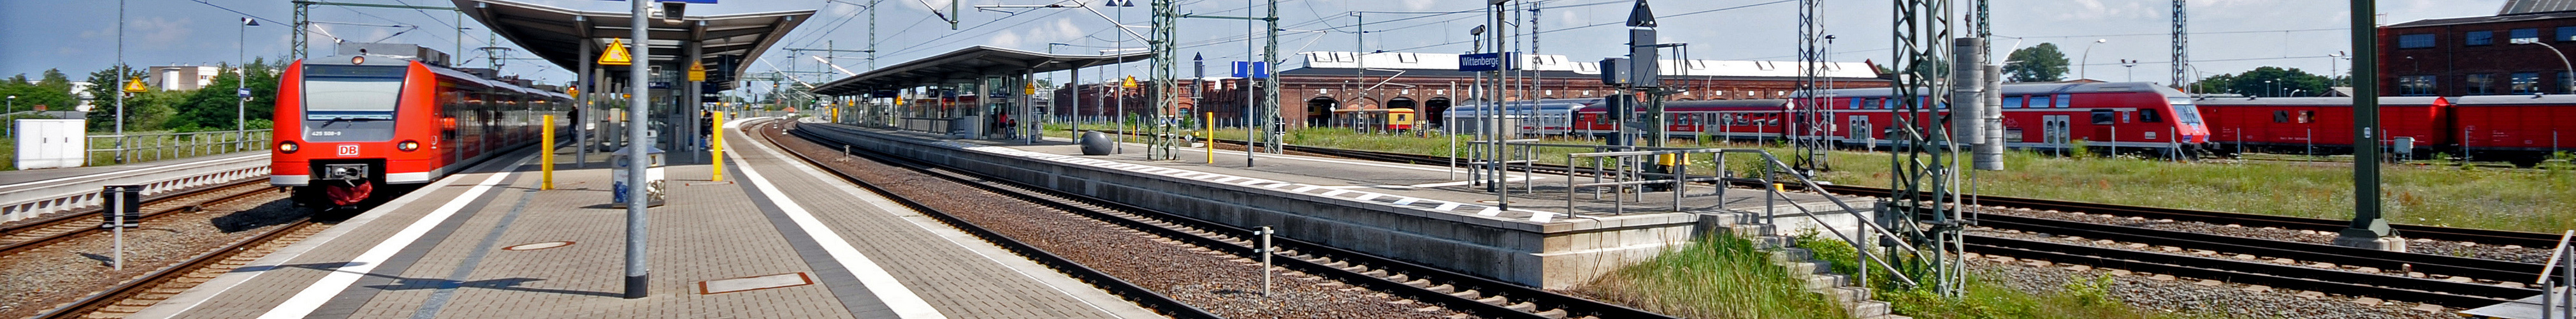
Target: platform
[776, 239]
[21, 177]
[1420, 213]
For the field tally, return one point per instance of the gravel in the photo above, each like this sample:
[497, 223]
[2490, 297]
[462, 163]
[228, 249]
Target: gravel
[2191, 296]
[46, 277]
[1223, 284]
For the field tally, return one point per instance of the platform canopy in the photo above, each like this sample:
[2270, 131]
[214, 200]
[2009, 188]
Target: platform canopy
[556, 34]
[967, 65]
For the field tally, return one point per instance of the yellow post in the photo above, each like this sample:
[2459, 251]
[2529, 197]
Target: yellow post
[718, 146]
[547, 148]
[1211, 137]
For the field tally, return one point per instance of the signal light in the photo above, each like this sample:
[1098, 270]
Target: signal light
[407, 146]
[358, 60]
[286, 147]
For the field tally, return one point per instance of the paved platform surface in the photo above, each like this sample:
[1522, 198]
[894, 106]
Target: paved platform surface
[459, 248]
[1534, 198]
[13, 178]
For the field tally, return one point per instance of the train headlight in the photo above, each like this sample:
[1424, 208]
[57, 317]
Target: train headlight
[407, 146]
[286, 147]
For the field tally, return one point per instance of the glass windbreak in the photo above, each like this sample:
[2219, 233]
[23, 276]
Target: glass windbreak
[341, 90]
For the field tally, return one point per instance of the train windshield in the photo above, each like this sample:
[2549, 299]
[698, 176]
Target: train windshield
[2184, 111]
[350, 91]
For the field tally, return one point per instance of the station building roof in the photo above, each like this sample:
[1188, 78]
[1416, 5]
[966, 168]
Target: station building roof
[966, 65]
[556, 34]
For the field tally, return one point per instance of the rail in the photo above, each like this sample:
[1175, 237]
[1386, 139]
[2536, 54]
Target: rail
[146, 147]
[2554, 294]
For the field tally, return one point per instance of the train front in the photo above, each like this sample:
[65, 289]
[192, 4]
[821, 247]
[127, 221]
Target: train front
[2187, 122]
[340, 133]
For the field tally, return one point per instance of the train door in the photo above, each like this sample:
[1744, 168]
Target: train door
[1860, 132]
[2053, 130]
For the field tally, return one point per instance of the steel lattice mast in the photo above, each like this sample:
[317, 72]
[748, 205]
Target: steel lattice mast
[1923, 204]
[2181, 46]
[1811, 120]
[1166, 100]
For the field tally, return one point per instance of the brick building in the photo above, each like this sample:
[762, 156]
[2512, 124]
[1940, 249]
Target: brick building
[1313, 84]
[2508, 53]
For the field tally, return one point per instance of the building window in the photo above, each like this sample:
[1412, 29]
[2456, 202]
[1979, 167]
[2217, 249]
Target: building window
[2415, 85]
[2481, 37]
[2519, 35]
[2412, 41]
[2566, 83]
[2526, 82]
[2566, 34]
[2481, 84]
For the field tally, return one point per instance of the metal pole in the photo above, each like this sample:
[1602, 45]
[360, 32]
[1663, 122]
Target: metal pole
[2368, 229]
[636, 160]
[121, 71]
[581, 104]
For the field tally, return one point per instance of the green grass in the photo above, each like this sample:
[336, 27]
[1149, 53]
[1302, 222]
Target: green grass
[2437, 195]
[2088, 298]
[1715, 277]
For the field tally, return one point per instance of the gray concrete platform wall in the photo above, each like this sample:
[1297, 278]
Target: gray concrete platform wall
[1559, 254]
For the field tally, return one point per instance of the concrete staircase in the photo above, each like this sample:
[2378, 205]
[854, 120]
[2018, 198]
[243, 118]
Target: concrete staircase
[1818, 274]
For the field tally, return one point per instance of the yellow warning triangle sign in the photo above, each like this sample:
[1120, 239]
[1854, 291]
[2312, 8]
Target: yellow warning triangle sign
[697, 72]
[1032, 89]
[134, 85]
[616, 54]
[1131, 82]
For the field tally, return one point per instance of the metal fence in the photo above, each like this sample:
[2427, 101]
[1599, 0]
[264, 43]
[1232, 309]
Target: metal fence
[146, 147]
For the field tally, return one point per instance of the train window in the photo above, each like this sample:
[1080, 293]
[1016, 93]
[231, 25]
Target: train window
[2065, 100]
[2012, 102]
[2102, 117]
[2150, 116]
[2307, 116]
[2040, 102]
[1855, 103]
[2281, 116]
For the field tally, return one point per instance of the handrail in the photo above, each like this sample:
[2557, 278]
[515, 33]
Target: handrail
[2550, 297]
[1681, 175]
[2545, 268]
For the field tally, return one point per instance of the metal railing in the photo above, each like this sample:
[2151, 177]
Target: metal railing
[2556, 300]
[1623, 172]
[135, 148]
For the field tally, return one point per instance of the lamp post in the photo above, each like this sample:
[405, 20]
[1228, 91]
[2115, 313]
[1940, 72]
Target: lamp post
[241, 81]
[2332, 69]
[2132, 65]
[2270, 87]
[2562, 56]
[13, 108]
[2087, 73]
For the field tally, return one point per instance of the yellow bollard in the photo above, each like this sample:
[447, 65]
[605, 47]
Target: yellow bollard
[547, 145]
[1211, 137]
[717, 146]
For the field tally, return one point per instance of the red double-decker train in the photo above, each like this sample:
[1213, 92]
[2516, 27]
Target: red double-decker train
[2130, 117]
[352, 128]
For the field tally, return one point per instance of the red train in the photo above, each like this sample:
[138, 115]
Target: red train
[2519, 128]
[347, 125]
[2131, 116]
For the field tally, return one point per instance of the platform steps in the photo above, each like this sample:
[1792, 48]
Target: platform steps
[1818, 274]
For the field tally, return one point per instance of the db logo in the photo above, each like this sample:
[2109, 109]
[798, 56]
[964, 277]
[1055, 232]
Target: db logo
[348, 150]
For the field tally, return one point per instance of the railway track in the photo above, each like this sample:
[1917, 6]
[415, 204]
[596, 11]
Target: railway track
[2482, 236]
[143, 291]
[25, 236]
[2327, 268]
[1454, 291]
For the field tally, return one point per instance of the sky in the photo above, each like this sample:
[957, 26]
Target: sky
[2228, 35]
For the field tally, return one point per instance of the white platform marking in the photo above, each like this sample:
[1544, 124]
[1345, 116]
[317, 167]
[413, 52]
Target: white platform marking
[904, 303]
[321, 291]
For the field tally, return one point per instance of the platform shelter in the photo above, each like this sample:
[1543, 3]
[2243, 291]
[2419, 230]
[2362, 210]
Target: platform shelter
[722, 45]
[979, 92]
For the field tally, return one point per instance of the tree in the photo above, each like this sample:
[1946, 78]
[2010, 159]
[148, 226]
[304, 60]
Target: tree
[104, 86]
[53, 92]
[2273, 82]
[211, 108]
[2040, 63]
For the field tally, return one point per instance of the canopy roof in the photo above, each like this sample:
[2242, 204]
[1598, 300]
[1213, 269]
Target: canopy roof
[556, 34]
[966, 65]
